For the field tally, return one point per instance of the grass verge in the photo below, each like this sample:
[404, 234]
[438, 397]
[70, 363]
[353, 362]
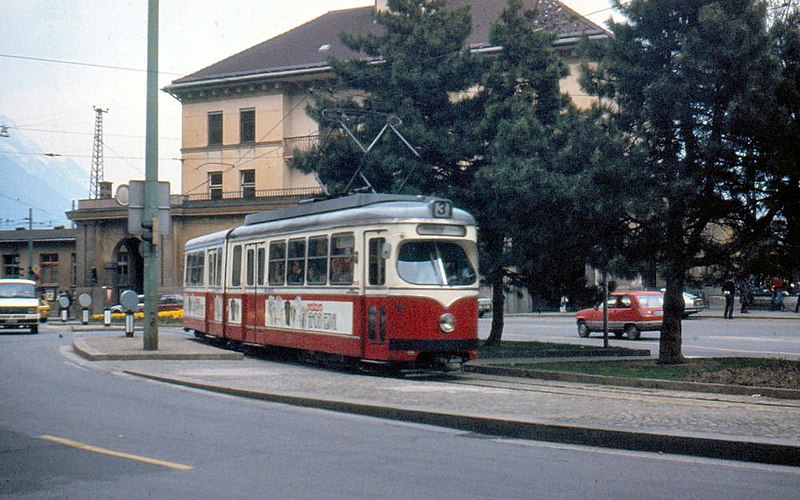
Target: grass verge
[751, 372]
[511, 349]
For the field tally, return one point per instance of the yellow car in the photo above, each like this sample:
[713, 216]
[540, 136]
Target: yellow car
[44, 310]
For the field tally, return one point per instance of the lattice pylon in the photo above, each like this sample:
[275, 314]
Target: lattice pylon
[97, 155]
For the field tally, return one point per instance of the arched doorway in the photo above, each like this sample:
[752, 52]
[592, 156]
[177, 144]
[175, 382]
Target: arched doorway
[129, 271]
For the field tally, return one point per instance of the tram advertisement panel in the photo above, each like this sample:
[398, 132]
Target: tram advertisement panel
[315, 315]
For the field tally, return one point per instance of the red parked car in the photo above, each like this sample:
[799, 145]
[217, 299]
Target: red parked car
[628, 312]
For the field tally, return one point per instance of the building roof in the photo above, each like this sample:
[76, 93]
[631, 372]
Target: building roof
[38, 235]
[305, 50]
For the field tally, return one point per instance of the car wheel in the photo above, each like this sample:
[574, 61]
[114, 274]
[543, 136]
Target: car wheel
[618, 335]
[633, 332]
[481, 313]
[35, 329]
[583, 329]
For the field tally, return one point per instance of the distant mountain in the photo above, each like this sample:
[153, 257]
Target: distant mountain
[29, 179]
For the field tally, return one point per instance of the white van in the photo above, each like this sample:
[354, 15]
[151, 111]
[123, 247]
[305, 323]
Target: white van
[19, 306]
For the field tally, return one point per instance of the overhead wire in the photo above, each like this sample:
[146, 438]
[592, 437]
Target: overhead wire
[78, 63]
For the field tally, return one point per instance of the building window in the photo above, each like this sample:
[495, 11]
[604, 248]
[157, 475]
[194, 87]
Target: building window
[248, 183]
[215, 185]
[73, 261]
[10, 266]
[215, 128]
[247, 125]
[49, 265]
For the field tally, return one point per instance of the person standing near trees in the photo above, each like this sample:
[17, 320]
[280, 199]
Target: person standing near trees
[729, 292]
[797, 303]
[777, 294]
[745, 295]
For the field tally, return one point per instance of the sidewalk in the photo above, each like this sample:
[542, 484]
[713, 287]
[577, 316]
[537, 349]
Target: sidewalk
[748, 428]
[763, 314]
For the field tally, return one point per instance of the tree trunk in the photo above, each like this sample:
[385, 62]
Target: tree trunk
[671, 340]
[498, 303]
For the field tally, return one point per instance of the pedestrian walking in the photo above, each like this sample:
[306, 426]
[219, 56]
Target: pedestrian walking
[745, 295]
[777, 295]
[729, 292]
[797, 302]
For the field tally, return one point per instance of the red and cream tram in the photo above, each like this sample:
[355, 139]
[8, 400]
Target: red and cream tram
[373, 277]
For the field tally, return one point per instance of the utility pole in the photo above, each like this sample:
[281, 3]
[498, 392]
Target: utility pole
[151, 268]
[97, 155]
[30, 243]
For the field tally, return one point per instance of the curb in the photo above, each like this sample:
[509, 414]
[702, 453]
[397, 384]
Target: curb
[760, 452]
[86, 351]
[617, 352]
[770, 392]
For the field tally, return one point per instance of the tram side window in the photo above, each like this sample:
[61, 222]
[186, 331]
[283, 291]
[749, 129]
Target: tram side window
[250, 262]
[194, 268]
[377, 264]
[296, 262]
[342, 258]
[261, 262]
[318, 260]
[215, 267]
[212, 266]
[236, 266]
[277, 263]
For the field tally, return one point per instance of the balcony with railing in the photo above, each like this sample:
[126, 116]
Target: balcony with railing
[252, 194]
[303, 143]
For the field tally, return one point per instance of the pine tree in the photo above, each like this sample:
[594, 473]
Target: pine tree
[413, 68]
[521, 198]
[486, 129]
[679, 72]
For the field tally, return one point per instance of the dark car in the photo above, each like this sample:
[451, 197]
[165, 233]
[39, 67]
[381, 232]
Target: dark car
[484, 306]
[628, 312]
[170, 302]
[166, 302]
[693, 304]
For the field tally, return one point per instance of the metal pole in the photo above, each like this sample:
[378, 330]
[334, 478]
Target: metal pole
[30, 244]
[151, 268]
[605, 309]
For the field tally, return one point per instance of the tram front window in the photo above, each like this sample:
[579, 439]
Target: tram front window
[435, 263]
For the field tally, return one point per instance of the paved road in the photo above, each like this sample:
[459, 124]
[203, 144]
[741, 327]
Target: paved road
[775, 335]
[76, 429]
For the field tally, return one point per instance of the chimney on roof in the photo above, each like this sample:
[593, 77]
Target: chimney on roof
[381, 5]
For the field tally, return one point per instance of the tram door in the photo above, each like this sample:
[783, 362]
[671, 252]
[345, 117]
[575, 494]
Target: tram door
[375, 295]
[253, 303]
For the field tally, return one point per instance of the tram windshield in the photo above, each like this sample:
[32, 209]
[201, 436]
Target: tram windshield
[435, 263]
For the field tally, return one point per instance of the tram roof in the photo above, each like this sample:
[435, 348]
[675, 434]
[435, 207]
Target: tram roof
[333, 205]
[338, 212]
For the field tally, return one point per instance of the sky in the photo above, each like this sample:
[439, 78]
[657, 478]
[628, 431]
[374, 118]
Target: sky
[59, 59]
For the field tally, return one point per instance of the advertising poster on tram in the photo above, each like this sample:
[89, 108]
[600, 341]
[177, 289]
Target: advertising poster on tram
[314, 315]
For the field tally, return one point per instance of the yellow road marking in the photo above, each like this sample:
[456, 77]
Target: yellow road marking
[95, 449]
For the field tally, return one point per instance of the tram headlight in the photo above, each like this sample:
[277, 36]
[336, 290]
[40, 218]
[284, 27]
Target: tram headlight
[447, 322]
